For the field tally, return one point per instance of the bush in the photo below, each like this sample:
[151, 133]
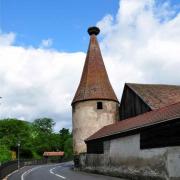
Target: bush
[5, 154]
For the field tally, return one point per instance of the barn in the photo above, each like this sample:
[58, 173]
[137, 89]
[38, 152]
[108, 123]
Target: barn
[136, 138]
[145, 142]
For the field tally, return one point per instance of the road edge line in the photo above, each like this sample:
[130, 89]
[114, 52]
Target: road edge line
[58, 175]
[6, 178]
[29, 171]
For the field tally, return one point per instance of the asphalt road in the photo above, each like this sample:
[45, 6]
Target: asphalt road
[55, 172]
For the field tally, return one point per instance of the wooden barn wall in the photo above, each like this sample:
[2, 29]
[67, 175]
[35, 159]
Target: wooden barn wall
[163, 135]
[131, 105]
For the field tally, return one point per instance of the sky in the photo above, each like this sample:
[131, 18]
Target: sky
[62, 21]
[43, 47]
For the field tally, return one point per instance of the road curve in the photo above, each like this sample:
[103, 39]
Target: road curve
[55, 172]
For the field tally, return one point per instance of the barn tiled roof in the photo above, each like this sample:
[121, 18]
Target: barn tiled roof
[94, 82]
[155, 95]
[153, 117]
[59, 153]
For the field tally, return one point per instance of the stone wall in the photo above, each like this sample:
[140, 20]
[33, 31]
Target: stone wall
[173, 163]
[87, 119]
[123, 158]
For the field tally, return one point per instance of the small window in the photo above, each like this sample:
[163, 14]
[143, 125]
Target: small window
[95, 147]
[99, 105]
[73, 108]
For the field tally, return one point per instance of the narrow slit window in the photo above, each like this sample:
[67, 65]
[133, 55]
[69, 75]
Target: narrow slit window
[73, 108]
[99, 105]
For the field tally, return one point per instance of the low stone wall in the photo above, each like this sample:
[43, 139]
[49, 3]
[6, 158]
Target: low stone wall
[124, 158]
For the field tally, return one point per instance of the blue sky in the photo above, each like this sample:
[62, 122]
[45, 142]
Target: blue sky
[43, 45]
[64, 21]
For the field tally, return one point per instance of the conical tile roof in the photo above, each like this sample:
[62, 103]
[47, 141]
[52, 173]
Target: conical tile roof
[94, 82]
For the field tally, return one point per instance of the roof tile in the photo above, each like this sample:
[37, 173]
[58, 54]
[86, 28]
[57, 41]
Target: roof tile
[156, 95]
[94, 82]
[156, 116]
[59, 153]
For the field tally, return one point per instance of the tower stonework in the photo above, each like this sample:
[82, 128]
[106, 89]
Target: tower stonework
[95, 104]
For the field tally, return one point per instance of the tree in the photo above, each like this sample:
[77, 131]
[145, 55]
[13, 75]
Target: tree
[68, 148]
[66, 142]
[44, 125]
[34, 138]
[55, 143]
[43, 136]
[13, 131]
[64, 135]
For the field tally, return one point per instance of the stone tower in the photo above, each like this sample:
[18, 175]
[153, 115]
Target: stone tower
[95, 104]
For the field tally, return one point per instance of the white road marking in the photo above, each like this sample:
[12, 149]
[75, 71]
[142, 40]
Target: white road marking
[28, 171]
[32, 169]
[58, 175]
[12, 173]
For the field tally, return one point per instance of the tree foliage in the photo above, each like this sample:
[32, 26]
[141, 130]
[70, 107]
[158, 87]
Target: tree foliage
[34, 138]
[44, 125]
[66, 142]
[12, 132]
[5, 154]
[68, 148]
[64, 135]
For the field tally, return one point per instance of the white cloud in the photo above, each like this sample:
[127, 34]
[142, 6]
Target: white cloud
[37, 83]
[6, 39]
[46, 43]
[140, 44]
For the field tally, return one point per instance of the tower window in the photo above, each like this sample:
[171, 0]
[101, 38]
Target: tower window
[99, 105]
[73, 108]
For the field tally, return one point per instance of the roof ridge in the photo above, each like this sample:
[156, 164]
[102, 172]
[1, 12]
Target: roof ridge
[152, 84]
[136, 125]
[154, 110]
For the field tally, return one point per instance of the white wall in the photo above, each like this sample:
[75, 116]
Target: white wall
[87, 120]
[125, 152]
[173, 162]
[124, 158]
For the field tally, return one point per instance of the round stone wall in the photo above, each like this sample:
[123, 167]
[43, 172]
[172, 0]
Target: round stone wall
[87, 119]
